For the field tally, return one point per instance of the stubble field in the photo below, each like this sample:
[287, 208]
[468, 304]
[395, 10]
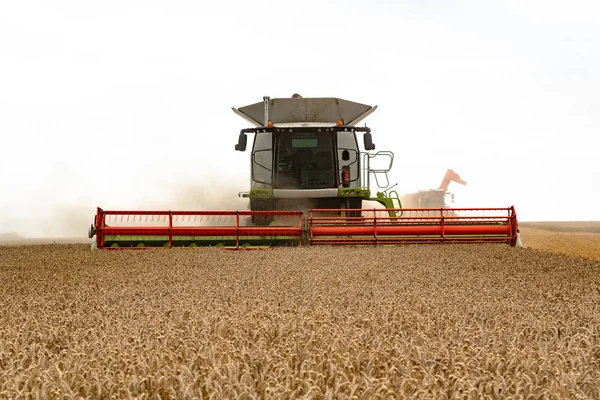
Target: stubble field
[471, 321]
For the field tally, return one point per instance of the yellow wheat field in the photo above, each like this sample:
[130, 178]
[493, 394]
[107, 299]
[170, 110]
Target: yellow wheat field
[440, 321]
[576, 238]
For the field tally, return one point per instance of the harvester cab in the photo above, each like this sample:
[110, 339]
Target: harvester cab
[305, 155]
[308, 182]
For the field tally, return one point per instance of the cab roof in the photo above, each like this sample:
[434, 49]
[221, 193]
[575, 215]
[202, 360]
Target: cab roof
[299, 110]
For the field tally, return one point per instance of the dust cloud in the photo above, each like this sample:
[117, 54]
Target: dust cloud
[54, 222]
[67, 222]
[73, 220]
[188, 197]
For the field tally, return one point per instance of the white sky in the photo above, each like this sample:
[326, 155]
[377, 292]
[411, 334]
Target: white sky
[123, 104]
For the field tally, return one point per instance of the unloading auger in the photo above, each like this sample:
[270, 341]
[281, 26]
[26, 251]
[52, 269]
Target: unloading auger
[309, 180]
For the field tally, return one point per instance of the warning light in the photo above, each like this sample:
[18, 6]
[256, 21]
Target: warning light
[269, 123]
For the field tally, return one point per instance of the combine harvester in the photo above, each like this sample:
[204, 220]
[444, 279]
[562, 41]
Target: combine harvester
[433, 198]
[309, 180]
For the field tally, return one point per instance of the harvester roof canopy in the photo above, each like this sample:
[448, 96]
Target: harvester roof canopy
[324, 110]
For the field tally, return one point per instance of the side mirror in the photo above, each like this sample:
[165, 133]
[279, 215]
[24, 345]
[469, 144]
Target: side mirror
[242, 140]
[368, 140]
[345, 155]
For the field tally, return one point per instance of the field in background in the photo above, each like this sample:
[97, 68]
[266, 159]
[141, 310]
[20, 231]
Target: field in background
[414, 321]
[566, 226]
[576, 238]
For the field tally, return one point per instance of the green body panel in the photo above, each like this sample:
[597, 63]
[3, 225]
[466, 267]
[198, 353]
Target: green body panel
[388, 202]
[354, 192]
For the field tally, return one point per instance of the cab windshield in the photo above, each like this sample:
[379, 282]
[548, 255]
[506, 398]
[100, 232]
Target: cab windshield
[304, 160]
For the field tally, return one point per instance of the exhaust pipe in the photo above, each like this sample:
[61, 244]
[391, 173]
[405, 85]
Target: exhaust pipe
[266, 100]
